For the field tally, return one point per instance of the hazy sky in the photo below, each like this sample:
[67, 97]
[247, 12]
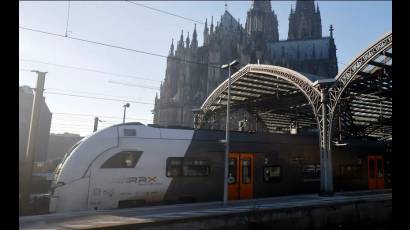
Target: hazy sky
[356, 24]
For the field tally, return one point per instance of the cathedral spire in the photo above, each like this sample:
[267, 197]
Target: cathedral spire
[206, 33]
[171, 50]
[305, 21]
[212, 25]
[262, 22]
[194, 43]
[262, 5]
[181, 41]
[331, 31]
[187, 41]
[305, 5]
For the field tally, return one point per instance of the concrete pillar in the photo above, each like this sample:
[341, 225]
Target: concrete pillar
[32, 142]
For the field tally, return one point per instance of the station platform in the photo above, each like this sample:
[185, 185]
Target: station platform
[299, 210]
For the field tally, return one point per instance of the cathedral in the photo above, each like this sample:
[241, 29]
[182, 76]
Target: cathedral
[193, 71]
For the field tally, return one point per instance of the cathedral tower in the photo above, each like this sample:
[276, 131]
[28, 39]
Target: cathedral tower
[193, 72]
[261, 21]
[305, 21]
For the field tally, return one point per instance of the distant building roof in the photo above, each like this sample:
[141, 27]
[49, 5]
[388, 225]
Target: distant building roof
[26, 89]
[300, 49]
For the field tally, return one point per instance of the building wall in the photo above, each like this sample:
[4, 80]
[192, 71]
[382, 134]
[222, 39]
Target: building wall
[25, 108]
[59, 144]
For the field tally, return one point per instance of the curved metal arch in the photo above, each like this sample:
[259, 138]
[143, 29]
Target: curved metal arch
[345, 78]
[304, 84]
[218, 91]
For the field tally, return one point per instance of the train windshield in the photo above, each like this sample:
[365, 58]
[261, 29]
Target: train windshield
[65, 158]
[70, 151]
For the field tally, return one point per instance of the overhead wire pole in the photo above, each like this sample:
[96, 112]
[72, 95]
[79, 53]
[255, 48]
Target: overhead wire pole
[32, 140]
[95, 124]
[125, 109]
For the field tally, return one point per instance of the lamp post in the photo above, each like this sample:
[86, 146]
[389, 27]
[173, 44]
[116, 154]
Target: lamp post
[233, 63]
[125, 109]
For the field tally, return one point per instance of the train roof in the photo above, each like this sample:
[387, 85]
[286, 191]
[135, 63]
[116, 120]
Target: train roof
[211, 134]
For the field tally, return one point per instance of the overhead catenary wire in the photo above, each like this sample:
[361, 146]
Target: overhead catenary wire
[165, 12]
[116, 46]
[27, 70]
[123, 99]
[132, 85]
[86, 120]
[100, 98]
[72, 124]
[71, 127]
[89, 115]
[75, 125]
[88, 70]
[89, 93]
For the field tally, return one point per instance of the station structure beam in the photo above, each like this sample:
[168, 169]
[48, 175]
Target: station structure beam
[277, 96]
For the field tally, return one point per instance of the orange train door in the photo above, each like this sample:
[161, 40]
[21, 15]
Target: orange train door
[240, 176]
[375, 172]
[233, 177]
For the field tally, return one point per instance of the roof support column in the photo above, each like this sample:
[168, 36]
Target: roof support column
[326, 168]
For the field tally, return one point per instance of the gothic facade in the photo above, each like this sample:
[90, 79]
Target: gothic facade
[193, 71]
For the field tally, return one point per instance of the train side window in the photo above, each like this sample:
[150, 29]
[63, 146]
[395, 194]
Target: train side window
[179, 166]
[232, 171]
[311, 172]
[174, 166]
[195, 167]
[130, 132]
[379, 168]
[271, 174]
[246, 171]
[124, 159]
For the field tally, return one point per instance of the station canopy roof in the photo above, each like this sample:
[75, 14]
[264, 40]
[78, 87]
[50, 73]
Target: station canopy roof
[272, 99]
[276, 96]
[366, 103]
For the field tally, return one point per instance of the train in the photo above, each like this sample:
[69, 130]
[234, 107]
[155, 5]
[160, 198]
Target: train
[133, 164]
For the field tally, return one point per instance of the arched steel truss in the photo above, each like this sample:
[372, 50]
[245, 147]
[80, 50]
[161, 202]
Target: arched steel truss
[356, 67]
[323, 100]
[313, 94]
[304, 84]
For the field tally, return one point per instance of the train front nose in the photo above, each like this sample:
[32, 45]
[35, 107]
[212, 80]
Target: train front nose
[53, 204]
[54, 197]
